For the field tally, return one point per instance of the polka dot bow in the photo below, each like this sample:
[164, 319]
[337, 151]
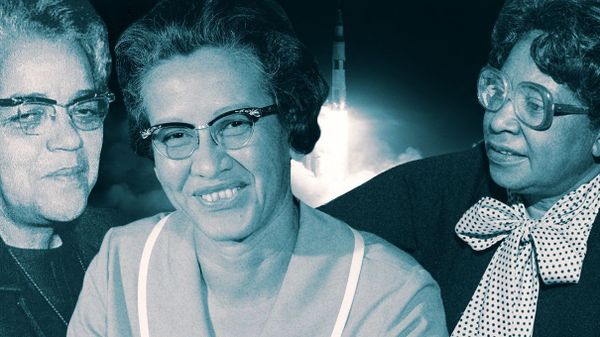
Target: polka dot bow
[551, 248]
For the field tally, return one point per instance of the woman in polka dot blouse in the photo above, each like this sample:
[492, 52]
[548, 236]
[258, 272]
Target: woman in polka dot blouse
[509, 228]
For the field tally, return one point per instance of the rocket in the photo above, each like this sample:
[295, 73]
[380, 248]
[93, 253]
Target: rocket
[329, 160]
[338, 74]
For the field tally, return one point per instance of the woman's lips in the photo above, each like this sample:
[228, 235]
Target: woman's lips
[68, 171]
[503, 155]
[69, 176]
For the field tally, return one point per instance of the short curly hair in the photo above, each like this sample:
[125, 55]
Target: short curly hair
[66, 20]
[568, 50]
[258, 28]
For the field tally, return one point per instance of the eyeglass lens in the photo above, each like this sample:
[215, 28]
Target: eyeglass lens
[231, 132]
[530, 102]
[34, 118]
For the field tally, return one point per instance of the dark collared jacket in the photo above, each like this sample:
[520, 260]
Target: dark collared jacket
[82, 237]
[416, 207]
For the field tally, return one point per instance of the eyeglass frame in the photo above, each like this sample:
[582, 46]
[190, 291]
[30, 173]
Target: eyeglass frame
[18, 100]
[253, 113]
[554, 109]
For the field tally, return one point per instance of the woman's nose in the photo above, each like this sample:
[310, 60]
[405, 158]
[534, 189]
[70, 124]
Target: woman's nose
[502, 120]
[209, 159]
[63, 135]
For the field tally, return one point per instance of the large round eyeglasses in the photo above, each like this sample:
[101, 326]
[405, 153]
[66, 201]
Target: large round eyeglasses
[34, 114]
[231, 130]
[533, 103]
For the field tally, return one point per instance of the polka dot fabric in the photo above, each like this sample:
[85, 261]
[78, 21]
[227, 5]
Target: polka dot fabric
[551, 248]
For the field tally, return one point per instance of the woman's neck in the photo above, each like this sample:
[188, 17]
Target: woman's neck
[538, 205]
[538, 209]
[252, 270]
[28, 236]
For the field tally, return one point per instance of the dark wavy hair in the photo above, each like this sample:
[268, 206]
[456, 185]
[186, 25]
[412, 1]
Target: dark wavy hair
[66, 20]
[568, 50]
[258, 28]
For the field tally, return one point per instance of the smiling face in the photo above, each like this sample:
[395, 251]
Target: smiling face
[227, 194]
[538, 164]
[45, 177]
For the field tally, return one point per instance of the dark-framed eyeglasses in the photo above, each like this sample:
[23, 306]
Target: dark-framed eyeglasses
[533, 103]
[231, 130]
[34, 114]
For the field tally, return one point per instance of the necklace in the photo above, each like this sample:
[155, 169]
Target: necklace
[39, 290]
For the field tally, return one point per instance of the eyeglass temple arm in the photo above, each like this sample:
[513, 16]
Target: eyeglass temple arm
[568, 109]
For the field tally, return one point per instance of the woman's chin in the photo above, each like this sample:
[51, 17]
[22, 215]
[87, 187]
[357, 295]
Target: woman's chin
[64, 210]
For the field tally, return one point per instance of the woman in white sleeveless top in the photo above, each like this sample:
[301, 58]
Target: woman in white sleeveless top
[221, 94]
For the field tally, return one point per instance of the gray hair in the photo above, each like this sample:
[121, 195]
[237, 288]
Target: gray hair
[64, 20]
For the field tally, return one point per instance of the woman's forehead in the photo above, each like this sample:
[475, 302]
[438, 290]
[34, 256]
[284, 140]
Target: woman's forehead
[520, 67]
[203, 84]
[54, 68]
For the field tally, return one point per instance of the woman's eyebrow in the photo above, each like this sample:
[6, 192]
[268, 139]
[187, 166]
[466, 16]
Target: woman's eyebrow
[82, 93]
[78, 94]
[30, 94]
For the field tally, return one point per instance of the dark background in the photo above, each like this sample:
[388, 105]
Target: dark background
[411, 69]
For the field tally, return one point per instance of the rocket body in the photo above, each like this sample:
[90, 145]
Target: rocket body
[338, 74]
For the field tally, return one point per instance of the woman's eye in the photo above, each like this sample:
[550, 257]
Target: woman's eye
[175, 137]
[85, 112]
[10, 119]
[30, 116]
[172, 135]
[534, 106]
[234, 127]
[86, 109]
[234, 124]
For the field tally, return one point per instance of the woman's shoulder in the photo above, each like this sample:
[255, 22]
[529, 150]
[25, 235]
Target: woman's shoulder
[123, 245]
[134, 233]
[394, 292]
[385, 263]
[382, 259]
[380, 251]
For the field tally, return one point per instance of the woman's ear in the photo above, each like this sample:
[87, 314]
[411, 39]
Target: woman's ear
[295, 155]
[596, 145]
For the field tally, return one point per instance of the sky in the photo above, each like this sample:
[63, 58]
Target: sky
[411, 68]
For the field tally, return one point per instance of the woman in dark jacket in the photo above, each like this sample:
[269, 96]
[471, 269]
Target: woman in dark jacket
[54, 65]
[507, 228]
